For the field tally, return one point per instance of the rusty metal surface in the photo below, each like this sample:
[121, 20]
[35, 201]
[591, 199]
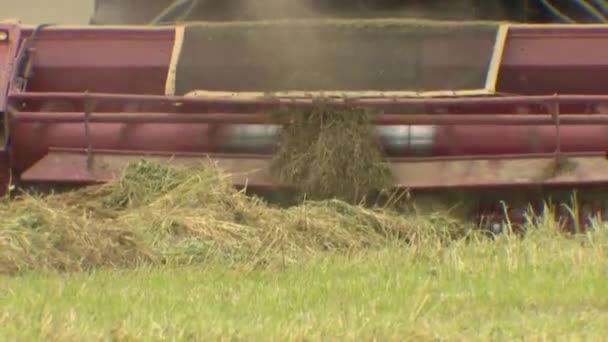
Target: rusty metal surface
[71, 166]
[9, 44]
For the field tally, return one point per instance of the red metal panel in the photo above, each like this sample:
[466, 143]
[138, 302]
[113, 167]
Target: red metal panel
[125, 61]
[116, 60]
[501, 140]
[32, 141]
[568, 59]
[104, 59]
[509, 171]
[72, 166]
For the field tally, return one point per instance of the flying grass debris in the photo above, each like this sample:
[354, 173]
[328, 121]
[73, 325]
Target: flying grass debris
[332, 152]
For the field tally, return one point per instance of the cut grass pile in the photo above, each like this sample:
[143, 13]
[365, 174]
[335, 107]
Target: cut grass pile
[160, 214]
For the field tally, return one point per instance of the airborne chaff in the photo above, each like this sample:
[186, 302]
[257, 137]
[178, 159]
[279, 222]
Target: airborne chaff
[332, 151]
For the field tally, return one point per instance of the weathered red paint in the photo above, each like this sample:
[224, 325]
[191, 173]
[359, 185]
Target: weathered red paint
[8, 50]
[567, 59]
[31, 141]
[124, 70]
[114, 60]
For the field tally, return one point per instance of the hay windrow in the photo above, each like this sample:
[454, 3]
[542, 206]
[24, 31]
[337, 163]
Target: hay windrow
[183, 216]
[332, 152]
[44, 233]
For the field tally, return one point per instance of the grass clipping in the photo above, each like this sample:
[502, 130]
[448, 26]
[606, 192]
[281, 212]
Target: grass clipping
[332, 152]
[158, 214]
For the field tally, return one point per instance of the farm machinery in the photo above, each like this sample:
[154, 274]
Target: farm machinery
[509, 111]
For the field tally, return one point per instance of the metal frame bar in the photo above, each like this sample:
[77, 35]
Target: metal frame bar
[245, 118]
[490, 102]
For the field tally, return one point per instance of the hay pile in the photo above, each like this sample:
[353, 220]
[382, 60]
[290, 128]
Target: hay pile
[332, 152]
[156, 214]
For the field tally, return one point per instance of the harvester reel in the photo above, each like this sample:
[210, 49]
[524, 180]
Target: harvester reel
[458, 106]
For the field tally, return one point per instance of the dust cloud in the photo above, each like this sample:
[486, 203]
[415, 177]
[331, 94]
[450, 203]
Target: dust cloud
[278, 8]
[302, 53]
[421, 9]
[80, 11]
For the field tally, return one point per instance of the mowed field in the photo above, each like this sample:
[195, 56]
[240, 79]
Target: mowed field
[543, 287]
[185, 259]
[163, 253]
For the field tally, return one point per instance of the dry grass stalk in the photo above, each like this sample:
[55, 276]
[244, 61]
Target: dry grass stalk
[157, 214]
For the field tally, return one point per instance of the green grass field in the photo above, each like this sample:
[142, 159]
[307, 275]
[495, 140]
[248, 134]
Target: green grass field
[165, 254]
[542, 287]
